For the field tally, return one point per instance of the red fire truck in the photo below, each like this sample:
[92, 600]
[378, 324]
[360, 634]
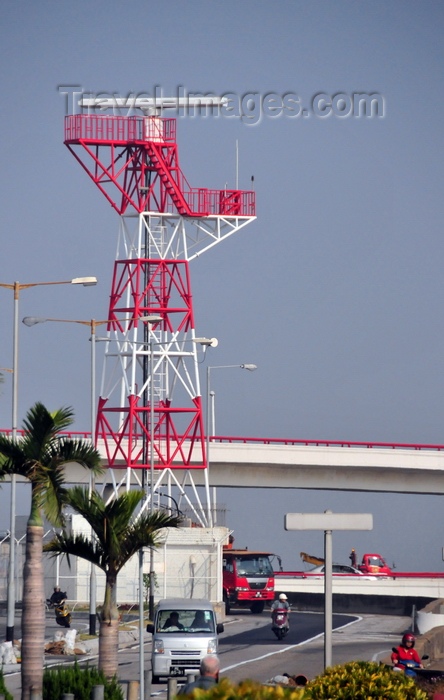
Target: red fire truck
[248, 579]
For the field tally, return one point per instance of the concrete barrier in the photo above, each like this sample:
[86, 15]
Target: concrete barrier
[431, 616]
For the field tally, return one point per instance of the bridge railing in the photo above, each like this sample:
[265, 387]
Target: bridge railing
[385, 577]
[292, 442]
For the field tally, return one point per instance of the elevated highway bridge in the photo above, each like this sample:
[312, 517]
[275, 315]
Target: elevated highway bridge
[325, 465]
[309, 464]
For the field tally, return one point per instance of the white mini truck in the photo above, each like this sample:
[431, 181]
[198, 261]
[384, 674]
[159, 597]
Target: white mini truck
[184, 631]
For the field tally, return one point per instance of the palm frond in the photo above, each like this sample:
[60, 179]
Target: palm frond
[145, 532]
[90, 506]
[41, 455]
[55, 497]
[40, 421]
[118, 527]
[13, 460]
[62, 418]
[79, 451]
[78, 545]
[42, 427]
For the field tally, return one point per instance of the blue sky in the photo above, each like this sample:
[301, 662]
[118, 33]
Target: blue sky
[335, 292]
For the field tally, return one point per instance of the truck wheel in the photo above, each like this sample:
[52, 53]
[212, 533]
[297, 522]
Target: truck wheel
[155, 679]
[257, 607]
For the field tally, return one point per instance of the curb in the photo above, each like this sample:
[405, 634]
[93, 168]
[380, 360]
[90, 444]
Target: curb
[126, 639]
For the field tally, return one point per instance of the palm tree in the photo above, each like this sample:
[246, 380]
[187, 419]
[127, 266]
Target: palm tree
[118, 533]
[40, 456]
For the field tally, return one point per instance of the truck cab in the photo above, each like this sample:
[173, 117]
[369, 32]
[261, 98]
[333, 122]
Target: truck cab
[248, 579]
[374, 564]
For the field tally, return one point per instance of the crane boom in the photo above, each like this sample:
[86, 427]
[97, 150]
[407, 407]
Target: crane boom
[317, 561]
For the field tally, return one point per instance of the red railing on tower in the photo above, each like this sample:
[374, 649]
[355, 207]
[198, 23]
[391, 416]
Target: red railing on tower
[134, 161]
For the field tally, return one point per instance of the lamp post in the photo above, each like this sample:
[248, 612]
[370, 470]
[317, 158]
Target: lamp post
[92, 323]
[151, 342]
[151, 320]
[16, 287]
[210, 403]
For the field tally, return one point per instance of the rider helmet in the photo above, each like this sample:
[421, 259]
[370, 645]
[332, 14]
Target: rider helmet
[408, 637]
[282, 596]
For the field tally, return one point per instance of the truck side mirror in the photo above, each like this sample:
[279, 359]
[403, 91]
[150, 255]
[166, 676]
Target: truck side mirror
[150, 627]
[219, 627]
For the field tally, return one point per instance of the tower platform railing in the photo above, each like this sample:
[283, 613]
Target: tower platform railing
[137, 148]
[106, 129]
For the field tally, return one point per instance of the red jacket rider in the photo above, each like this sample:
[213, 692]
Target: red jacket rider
[406, 652]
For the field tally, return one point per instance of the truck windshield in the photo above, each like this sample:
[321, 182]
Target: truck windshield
[253, 566]
[187, 621]
[376, 561]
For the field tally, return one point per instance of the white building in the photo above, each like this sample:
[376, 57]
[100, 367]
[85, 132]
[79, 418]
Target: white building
[187, 564]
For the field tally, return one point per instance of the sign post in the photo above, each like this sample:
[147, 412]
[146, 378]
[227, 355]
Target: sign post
[328, 522]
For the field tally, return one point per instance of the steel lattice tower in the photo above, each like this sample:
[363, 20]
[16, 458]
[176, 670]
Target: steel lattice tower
[150, 408]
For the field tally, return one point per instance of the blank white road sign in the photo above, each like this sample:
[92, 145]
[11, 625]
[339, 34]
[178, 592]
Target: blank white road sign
[328, 521]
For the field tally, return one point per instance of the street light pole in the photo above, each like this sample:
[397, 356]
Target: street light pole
[151, 320]
[31, 321]
[92, 575]
[208, 342]
[11, 571]
[246, 366]
[16, 287]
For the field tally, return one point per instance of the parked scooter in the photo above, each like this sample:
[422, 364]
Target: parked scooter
[62, 614]
[279, 623]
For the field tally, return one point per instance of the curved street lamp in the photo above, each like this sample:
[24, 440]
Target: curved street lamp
[16, 287]
[92, 323]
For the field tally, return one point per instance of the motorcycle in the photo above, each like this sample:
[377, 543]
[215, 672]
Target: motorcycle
[413, 669]
[62, 614]
[279, 623]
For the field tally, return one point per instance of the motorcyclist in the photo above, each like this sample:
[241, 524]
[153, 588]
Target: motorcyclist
[405, 652]
[281, 604]
[57, 597]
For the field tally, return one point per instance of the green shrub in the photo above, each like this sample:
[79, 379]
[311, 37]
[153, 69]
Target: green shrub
[3, 690]
[362, 680]
[79, 681]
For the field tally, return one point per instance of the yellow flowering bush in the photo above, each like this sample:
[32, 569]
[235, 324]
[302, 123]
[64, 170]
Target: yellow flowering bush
[247, 690]
[360, 680]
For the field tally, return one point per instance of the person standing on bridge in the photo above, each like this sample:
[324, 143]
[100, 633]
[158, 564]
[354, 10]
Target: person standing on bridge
[352, 558]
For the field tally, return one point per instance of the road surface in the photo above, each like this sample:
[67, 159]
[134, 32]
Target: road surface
[248, 648]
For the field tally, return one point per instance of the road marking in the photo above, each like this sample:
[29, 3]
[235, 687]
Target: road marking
[382, 653]
[271, 653]
[282, 651]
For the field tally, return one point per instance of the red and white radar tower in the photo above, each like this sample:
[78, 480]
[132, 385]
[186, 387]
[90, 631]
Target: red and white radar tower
[149, 413]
